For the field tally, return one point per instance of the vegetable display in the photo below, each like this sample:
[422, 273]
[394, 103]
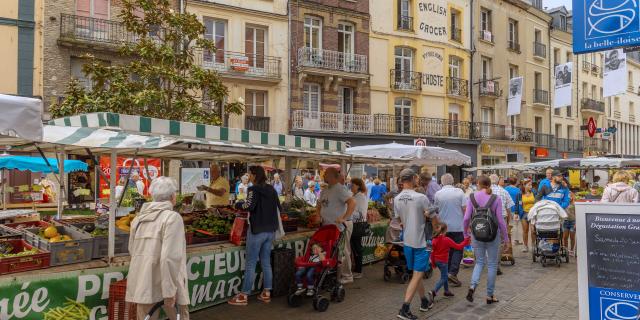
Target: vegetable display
[72, 310]
[25, 252]
[212, 224]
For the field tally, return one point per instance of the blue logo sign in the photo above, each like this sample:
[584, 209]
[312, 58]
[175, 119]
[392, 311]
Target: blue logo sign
[611, 304]
[605, 24]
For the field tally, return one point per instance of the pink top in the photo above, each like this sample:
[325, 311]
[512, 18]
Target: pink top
[482, 198]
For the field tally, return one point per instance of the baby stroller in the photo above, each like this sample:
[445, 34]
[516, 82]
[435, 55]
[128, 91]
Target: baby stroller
[395, 260]
[326, 279]
[547, 216]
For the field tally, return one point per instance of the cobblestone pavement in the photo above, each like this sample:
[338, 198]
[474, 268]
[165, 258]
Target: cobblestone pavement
[526, 291]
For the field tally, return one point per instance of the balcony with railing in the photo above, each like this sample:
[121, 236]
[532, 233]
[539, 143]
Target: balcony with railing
[490, 88]
[569, 145]
[501, 132]
[257, 123]
[588, 104]
[595, 69]
[403, 80]
[487, 36]
[456, 34]
[240, 65]
[331, 122]
[544, 140]
[405, 23]
[617, 115]
[586, 66]
[332, 60]
[78, 29]
[513, 46]
[541, 97]
[457, 87]
[632, 118]
[596, 145]
[539, 50]
[421, 126]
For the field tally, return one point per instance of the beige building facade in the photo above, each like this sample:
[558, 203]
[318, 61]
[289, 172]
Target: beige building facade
[624, 113]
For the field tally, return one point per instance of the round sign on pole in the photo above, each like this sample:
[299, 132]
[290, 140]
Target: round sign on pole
[591, 127]
[420, 142]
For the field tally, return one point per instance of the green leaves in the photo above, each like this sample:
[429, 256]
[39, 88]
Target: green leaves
[158, 75]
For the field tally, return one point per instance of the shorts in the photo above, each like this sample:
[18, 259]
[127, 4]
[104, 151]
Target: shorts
[524, 216]
[569, 225]
[417, 258]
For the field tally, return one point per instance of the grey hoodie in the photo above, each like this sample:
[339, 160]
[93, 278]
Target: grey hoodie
[620, 192]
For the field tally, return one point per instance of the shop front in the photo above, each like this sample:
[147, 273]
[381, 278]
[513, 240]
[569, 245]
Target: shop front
[497, 152]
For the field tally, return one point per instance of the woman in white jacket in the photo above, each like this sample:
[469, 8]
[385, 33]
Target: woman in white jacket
[158, 268]
[619, 191]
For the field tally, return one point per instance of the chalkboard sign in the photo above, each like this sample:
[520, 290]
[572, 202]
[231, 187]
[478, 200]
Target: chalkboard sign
[613, 249]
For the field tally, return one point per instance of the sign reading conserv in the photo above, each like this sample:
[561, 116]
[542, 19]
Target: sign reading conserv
[605, 24]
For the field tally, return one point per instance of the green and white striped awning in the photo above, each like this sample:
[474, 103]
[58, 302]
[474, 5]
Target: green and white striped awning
[146, 125]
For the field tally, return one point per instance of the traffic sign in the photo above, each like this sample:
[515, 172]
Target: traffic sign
[591, 127]
[420, 142]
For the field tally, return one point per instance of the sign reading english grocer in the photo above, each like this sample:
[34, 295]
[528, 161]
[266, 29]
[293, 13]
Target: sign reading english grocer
[432, 21]
[605, 24]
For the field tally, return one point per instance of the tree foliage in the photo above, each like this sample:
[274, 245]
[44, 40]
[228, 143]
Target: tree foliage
[161, 76]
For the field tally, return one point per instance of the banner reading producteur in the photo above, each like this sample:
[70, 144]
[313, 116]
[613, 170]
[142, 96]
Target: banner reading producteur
[563, 85]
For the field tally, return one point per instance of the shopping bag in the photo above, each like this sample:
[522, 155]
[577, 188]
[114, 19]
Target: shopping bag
[239, 230]
[467, 255]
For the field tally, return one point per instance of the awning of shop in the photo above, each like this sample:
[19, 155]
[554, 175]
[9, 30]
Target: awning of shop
[586, 163]
[37, 164]
[21, 117]
[413, 155]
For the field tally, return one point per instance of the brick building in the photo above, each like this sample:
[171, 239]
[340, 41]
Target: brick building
[330, 68]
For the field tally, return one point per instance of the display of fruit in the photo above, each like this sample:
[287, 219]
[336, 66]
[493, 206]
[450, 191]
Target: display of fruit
[71, 310]
[60, 238]
[25, 252]
[50, 232]
[212, 224]
[100, 233]
[124, 223]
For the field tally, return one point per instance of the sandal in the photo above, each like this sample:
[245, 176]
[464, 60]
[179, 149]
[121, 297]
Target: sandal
[470, 294]
[265, 296]
[492, 299]
[239, 299]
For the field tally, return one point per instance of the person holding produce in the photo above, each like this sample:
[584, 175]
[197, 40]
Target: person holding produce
[263, 206]
[218, 190]
[158, 249]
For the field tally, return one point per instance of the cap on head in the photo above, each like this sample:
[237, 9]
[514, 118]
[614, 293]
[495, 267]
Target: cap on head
[556, 173]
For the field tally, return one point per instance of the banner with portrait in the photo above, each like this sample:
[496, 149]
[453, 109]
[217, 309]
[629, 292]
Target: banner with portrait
[615, 73]
[516, 85]
[563, 85]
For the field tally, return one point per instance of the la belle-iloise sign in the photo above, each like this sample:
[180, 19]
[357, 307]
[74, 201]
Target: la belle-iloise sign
[605, 24]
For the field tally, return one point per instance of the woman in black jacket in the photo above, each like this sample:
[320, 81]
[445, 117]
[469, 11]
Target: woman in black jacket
[263, 204]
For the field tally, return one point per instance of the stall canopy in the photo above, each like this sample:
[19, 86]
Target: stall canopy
[585, 163]
[37, 164]
[412, 155]
[21, 117]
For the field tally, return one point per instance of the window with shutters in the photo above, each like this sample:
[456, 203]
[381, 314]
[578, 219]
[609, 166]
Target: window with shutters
[403, 115]
[255, 45]
[312, 33]
[256, 103]
[215, 30]
[311, 97]
[345, 100]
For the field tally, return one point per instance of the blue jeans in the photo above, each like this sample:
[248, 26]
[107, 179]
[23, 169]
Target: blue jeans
[309, 273]
[444, 277]
[455, 256]
[486, 253]
[258, 246]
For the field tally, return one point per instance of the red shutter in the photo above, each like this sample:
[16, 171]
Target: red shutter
[101, 9]
[83, 8]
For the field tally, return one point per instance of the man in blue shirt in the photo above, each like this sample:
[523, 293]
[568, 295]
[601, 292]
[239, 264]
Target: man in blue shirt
[557, 191]
[546, 181]
[378, 191]
[516, 196]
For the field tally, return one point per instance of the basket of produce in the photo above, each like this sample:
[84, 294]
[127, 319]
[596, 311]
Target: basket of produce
[16, 255]
[70, 310]
[65, 243]
[8, 233]
[210, 228]
[101, 239]
[22, 226]
[78, 220]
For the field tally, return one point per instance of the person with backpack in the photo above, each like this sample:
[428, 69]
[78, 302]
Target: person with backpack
[483, 217]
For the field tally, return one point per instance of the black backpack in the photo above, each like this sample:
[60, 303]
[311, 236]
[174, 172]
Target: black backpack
[484, 226]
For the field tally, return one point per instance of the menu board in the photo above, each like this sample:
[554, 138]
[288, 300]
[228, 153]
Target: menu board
[610, 260]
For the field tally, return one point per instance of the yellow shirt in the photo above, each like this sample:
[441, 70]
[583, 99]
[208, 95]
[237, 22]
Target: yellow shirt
[212, 199]
[527, 202]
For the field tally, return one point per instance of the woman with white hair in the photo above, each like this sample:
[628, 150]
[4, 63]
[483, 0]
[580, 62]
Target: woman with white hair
[310, 195]
[243, 187]
[158, 268]
[277, 184]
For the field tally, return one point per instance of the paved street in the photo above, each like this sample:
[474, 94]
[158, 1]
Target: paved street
[526, 291]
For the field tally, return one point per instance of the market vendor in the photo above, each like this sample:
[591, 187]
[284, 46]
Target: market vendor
[218, 190]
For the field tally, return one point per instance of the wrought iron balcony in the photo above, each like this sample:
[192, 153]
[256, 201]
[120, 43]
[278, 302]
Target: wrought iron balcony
[332, 60]
[456, 34]
[569, 145]
[490, 88]
[595, 69]
[541, 96]
[457, 87]
[586, 66]
[87, 29]
[421, 126]
[405, 80]
[486, 35]
[539, 50]
[513, 46]
[331, 122]
[257, 123]
[239, 64]
[544, 140]
[596, 145]
[405, 23]
[502, 132]
[592, 105]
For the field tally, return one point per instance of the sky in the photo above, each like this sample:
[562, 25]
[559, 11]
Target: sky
[556, 3]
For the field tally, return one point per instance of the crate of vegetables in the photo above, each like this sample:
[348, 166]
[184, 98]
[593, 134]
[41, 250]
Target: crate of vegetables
[209, 228]
[65, 243]
[8, 233]
[16, 255]
[289, 224]
[22, 226]
[101, 239]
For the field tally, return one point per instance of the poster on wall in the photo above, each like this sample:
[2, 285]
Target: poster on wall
[191, 178]
[608, 260]
[563, 85]
[154, 166]
[615, 73]
[516, 85]
[605, 24]
[432, 21]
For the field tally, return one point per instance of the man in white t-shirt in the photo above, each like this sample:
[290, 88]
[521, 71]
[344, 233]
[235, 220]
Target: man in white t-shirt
[135, 177]
[414, 211]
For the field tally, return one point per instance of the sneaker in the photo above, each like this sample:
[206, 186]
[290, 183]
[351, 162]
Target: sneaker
[405, 314]
[525, 249]
[300, 291]
[499, 272]
[449, 294]
[357, 275]
[426, 303]
[572, 253]
[346, 280]
[239, 299]
[265, 296]
[311, 292]
[454, 281]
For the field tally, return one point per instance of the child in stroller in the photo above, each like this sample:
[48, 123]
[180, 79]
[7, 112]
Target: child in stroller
[546, 216]
[394, 260]
[324, 277]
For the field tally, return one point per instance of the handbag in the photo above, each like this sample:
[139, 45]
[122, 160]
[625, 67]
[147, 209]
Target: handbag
[361, 228]
[280, 231]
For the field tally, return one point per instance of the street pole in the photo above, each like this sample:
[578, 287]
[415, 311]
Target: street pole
[471, 53]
